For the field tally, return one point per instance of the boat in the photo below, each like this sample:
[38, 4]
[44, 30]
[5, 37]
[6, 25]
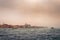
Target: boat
[52, 27]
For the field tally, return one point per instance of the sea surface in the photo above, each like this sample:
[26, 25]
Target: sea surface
[29, 34]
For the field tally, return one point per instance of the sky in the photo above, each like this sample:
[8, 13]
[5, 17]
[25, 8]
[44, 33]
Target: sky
[34, 12]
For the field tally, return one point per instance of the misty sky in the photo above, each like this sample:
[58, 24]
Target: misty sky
[34, 12]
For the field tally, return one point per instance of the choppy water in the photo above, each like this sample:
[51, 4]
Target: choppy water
[29, 34]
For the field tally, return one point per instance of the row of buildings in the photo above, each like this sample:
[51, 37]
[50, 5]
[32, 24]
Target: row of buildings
[19, 26]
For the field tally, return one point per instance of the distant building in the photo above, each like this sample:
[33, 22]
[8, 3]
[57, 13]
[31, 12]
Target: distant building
[21, 26]
[5, 26]
[27, 26]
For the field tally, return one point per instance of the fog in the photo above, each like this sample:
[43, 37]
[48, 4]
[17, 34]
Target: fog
[34, 12]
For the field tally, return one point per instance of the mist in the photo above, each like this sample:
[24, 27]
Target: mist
[34, 12]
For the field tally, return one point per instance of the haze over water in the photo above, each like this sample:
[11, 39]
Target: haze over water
[34, 12]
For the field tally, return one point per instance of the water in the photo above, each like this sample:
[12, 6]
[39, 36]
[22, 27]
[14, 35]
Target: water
[29, 34]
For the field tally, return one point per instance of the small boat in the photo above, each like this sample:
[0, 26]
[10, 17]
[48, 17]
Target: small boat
[52, 27]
